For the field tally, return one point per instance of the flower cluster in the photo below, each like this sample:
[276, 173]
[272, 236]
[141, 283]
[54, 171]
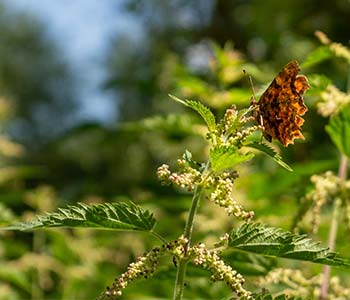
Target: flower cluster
[304, 287]
[144, 266]
[332, 101]
[328, 187]
[230, 118]
[187, 177]
[232, 130]
[222, 195]
[238, 139]
[220, 186]
[211, 261]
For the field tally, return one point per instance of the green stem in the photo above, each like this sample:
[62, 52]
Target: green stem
[333, 229]
[181, 271]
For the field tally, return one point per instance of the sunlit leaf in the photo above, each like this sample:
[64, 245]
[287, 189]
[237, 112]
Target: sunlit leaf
[223, 157]
[204, 111]
[276, 242]
[339, 130]
[113, 216]
[270, 152]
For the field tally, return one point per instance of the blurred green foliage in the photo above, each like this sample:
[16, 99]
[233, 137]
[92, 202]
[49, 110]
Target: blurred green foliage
[195, 49]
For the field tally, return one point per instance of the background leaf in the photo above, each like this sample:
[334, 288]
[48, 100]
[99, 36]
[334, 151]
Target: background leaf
[113, 216]
[339, 130]
[180, 125]
[317, 56]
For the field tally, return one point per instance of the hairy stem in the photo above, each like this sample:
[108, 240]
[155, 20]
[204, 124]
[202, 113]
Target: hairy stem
[343, 165]
[181, 271]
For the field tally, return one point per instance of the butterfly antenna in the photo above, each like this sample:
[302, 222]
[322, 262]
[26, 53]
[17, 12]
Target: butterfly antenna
[251, 85]
[253, 105]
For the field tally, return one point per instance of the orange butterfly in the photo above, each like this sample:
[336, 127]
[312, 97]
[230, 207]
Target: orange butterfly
[281, 106]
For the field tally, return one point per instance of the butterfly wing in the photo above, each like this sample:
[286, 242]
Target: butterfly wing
[282, 105]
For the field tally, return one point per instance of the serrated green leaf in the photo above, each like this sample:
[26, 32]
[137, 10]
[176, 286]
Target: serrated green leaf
[204, 111]
[113, 216]
[270, 152]
[339, 130]
[223, 157]
[276, 242]
[317, 56]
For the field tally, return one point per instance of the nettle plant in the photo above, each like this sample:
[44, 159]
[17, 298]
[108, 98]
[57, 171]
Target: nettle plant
[232, 141]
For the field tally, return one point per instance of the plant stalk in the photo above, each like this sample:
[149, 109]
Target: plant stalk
[343, 165]
[181, 271]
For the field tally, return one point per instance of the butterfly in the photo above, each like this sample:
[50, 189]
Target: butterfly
[281, 106]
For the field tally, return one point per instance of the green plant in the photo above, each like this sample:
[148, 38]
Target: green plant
[231, 141]
[245, 247]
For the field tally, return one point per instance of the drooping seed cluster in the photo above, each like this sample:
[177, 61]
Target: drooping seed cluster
[187, 177]
[221, 195]
[328, 187]
[220, 187]
[210, 260]
[332, 101]
[144, 266]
